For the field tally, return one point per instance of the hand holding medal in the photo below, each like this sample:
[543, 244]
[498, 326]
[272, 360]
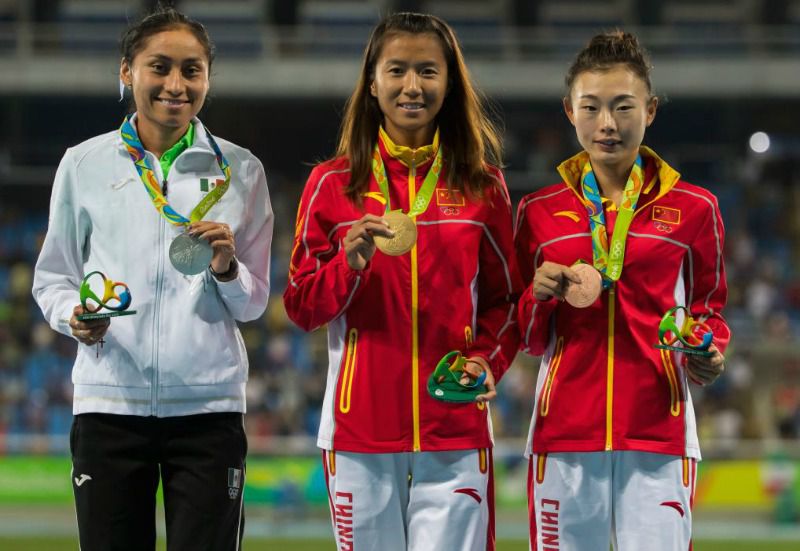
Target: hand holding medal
[189, 253]
[403, 228]
[404, 234]
[220, 241]
[577, 285]
[359, 243]
[582, 284]
[585, 292]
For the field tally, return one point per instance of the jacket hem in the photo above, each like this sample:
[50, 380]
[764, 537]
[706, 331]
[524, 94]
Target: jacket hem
[170, 402]
[567, 446]
[401, 447]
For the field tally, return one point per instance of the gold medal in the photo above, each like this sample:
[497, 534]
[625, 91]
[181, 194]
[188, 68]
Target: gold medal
[405, 234]
[583, 294]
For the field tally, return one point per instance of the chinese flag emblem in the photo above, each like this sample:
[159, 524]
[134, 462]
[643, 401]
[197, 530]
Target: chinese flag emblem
[667, 215]
[449, 198]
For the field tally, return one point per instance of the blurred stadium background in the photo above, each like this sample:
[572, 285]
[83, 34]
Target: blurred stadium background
[730, 72]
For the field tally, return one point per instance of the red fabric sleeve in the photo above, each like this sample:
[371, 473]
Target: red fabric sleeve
[708, 274]
[321, 283]
[533, 315]
[499, 285]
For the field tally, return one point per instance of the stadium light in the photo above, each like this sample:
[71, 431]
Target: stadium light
[759, 142]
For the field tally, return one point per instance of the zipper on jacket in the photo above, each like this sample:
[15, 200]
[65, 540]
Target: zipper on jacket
[412, 194]
[610, 370]
[157, 309]
[164, 187]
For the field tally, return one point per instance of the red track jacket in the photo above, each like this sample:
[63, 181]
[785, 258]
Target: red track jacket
[602, 384]
[390, 324]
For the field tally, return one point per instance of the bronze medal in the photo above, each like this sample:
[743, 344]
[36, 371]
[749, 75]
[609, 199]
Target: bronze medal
[586, 292]
[405, 234]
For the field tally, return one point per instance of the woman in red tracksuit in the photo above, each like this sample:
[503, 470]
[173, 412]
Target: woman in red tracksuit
[406, 471]
[613, 440]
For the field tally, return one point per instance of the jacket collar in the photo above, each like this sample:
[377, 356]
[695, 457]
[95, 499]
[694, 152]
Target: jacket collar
[201, 146]
[657, 171]
[407, 155]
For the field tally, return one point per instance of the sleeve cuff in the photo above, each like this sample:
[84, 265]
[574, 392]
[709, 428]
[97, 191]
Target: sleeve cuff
[235, 287]
[230, 275]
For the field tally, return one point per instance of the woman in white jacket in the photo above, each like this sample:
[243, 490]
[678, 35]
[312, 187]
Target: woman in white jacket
[160, 393]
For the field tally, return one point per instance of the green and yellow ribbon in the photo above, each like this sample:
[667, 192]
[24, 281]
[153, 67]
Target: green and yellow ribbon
[609, 260]
[425, 193]
[137, 153]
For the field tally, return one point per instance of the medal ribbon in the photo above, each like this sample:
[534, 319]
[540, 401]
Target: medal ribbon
[608, 261]
[425, 193]
[140, 161]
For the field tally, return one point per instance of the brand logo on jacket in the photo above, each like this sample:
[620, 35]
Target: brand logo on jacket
[119, 184]
[343, 515]
[548, 518]
[571, 214]
[449, 198]
[373, 195]
[234, 482]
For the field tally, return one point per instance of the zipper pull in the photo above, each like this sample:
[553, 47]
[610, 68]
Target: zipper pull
[164, 187]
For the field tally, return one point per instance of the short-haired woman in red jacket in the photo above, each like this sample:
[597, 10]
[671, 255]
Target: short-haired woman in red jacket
[613, 440]
[404, 470]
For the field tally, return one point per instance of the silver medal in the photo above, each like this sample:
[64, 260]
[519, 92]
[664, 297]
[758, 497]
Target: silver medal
[190, 255]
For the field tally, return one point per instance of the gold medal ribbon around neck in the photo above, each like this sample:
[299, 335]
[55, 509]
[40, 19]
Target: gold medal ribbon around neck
[425, 193]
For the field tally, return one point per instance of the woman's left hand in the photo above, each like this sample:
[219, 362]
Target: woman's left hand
[475, 366]
[704, 370]
[220, 237]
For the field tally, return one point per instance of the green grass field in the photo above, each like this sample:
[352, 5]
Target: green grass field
[57, 544]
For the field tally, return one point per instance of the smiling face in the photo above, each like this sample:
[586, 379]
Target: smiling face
[610, 110]
[169, 78]
[410, 84]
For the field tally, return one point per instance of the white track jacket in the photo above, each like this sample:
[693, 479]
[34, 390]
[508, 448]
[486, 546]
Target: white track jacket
[181, 353]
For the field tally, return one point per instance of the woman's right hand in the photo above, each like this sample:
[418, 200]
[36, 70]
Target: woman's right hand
[551, 280]
[88, 332]
[359, 247]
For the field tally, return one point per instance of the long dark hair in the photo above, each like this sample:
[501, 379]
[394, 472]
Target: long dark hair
[470, 139]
